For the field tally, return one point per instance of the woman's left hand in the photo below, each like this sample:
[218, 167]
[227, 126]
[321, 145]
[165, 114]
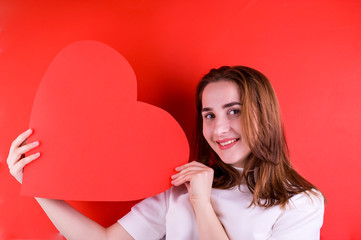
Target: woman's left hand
[198, 179]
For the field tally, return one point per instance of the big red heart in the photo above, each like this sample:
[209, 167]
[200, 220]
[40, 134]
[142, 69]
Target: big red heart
[98, 143]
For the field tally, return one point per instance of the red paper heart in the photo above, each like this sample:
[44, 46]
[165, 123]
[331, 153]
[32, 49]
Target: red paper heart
[98, 143]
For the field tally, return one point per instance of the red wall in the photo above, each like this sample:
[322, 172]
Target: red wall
[310, 50]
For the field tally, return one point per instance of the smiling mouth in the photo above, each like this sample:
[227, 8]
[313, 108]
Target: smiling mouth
[225, 144]
[228, 142]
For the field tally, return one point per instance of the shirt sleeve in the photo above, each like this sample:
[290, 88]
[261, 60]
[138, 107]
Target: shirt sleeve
[302, 219]
[146, 220]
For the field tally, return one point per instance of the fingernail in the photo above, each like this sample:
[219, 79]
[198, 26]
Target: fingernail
[36, 143]
[37, 154]
[29, 130]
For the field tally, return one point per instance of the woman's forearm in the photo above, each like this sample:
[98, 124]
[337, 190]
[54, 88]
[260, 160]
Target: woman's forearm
[208, 225]
[71, 223]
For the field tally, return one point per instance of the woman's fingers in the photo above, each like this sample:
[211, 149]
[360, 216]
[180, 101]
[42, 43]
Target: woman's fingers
[188, 167]
[179, 179]
[189, 171]
[16, 159]
[19, 152]
[24, 149]
[190, 164]
[20, 140]
[17, 169]
[24, 161]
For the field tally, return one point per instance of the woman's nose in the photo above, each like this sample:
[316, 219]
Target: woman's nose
[222, 126]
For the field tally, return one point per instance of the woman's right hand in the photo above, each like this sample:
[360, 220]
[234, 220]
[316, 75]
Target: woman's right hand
[16, 159]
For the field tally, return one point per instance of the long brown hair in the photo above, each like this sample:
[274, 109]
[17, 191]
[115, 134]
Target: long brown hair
[268, 172]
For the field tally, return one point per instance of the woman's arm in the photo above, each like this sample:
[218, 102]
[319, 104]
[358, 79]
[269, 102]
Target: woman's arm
[198, 178]
[74, 225]
[71, 223]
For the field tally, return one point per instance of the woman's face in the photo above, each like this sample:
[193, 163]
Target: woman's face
[221, 112]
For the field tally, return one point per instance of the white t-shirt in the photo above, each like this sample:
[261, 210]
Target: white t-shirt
[169, 215]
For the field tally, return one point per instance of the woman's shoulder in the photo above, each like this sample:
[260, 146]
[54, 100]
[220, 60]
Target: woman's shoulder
[302, 218]
[313, 199]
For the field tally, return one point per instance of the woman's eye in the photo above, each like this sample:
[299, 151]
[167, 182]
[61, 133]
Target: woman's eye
[233, 111]
[208, 116]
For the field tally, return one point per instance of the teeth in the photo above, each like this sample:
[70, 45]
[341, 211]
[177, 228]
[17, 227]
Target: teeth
[228, 142]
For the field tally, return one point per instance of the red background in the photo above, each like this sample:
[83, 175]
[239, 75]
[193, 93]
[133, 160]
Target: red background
[310, 50]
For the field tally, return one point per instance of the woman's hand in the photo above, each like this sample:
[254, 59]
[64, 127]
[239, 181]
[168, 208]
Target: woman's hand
[198, 179]
[16, 159]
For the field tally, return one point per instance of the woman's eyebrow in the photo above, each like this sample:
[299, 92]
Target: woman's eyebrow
[206, 109]
[231, 104]
[227, 105]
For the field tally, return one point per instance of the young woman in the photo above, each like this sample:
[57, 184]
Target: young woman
[242, 185]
